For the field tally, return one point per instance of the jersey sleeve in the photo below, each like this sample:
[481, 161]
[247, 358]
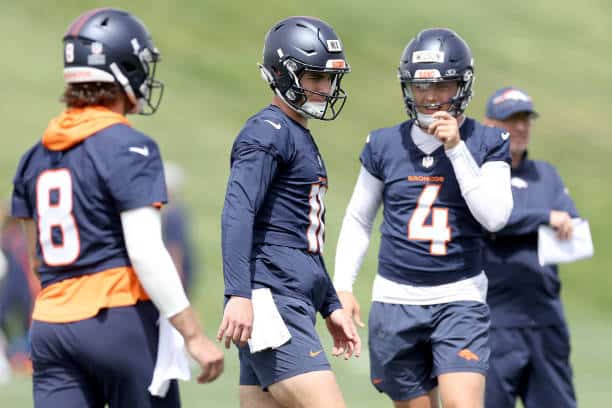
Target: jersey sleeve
[525, 220]
[135, 175]
[370, 159]
[21, 207]
[258, 151]
[262, 134]
[497, 142]
[331, 302]
[562, 200]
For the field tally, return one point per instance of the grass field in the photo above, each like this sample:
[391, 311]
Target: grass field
[557, 50]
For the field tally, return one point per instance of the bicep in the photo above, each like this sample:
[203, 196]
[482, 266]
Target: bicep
[366, 198]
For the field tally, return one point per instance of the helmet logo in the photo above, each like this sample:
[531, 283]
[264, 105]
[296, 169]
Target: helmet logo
[96, 48]
[69, 53]
[335, 63]
[427, 74]
[334, 46]
[511, 95]
[427, 56]
[96, 57]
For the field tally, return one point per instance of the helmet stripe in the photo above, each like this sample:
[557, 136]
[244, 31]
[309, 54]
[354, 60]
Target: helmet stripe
[76, 26]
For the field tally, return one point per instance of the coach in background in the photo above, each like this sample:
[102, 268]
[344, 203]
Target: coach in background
[529, 336]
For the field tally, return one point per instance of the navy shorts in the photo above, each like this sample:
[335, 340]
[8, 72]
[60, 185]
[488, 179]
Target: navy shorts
[107, 359]
[303, 353]
[531, 364]
[411, 345]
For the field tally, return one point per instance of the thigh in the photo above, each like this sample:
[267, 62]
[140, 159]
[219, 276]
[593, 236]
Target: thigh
[57, 379]
[507, 367]
[460, 338]
[429, 400]
[252, 396]
[550, 380]
[400, 353]
[317, 389]
[303, 353]
[462, 389]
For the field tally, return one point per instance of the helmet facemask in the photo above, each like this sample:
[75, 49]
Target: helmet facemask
[146, 97]
[457, 104]
[287, 85]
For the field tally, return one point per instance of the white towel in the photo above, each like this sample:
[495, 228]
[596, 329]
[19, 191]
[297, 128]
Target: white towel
[5, 366]
[3, 265]
[552, 250]
[171, 361]
[269, 329]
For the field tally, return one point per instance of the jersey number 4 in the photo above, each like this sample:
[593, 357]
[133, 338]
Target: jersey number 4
[438, 232]
[58, 234]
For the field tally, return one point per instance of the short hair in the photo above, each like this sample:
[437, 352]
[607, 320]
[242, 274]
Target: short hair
[80, 95]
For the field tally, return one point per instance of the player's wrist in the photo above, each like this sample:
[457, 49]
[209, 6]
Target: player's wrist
[454, 150]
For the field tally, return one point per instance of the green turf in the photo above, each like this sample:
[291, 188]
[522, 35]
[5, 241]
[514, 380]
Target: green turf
[559, 51]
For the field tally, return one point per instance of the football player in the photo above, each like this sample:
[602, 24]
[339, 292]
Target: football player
[530, 344]
[440, 176]
[89, 193]
[273, 224]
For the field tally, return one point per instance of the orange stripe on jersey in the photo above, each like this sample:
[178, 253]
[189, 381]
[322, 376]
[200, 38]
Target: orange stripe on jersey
[82, 297]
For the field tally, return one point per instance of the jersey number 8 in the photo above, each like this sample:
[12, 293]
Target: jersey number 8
[58, 235]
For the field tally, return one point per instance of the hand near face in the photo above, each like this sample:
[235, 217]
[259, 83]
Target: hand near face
[446, 129]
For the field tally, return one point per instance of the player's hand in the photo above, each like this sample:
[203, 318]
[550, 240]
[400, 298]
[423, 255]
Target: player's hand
[207, 355]
[562, 222]
[445, 129]
[351, 306]
[237, 322]
[344, 333]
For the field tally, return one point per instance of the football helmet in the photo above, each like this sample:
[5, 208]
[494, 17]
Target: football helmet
[299, 44]
[110, 45]
[436, 55]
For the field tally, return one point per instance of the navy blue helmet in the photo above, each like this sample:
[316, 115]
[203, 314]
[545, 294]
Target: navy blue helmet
[299, 44]
[110, 45]
[436, 55]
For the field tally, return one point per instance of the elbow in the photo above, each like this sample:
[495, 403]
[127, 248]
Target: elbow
[494, 225]
[497, 218]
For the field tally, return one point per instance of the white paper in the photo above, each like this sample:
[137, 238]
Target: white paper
[171, 360]
[269, 329]
[552, 250]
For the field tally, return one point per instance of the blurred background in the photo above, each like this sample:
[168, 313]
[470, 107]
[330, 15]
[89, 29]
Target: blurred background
[558, 51]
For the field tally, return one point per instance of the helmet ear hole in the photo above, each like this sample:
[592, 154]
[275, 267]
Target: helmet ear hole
[128, 67]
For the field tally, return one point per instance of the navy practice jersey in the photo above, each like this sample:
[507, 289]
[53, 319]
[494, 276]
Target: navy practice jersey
[429, 236]
[521, 292]
[75, 197]
[275, 197]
